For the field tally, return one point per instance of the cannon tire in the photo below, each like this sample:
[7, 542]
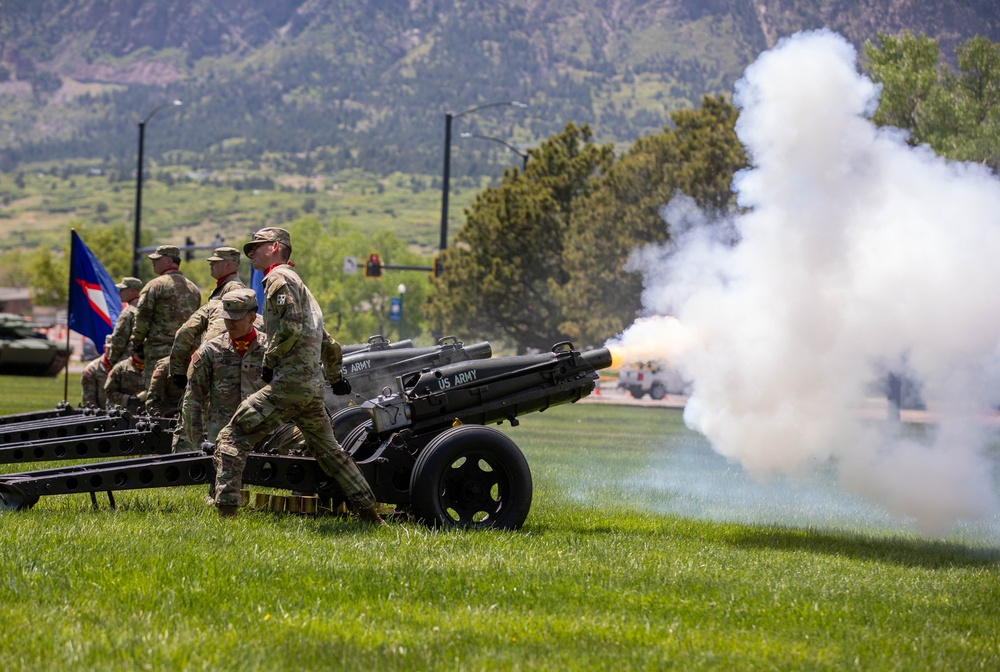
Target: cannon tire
[472, 477]
[657, 391]
[636, 392]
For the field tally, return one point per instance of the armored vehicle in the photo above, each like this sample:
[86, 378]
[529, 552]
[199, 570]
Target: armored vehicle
[25, 351]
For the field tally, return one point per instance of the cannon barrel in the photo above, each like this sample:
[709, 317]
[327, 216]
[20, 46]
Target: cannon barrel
[484, 392]
[376, 343]
[599, 358]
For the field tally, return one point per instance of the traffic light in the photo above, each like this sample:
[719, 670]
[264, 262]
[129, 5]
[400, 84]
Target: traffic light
[188, 254]
[438, 267]
[373, 266]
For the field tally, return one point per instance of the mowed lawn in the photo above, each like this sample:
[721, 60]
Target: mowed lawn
[598, 579]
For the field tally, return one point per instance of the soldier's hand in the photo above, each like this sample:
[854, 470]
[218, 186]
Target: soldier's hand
[342, 387]
[267, 374]
[179, 379]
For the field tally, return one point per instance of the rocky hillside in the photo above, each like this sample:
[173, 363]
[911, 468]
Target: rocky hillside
[327, 84]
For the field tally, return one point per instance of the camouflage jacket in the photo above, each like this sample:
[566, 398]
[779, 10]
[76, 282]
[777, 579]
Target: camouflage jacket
[120, 348]
[297, 341]
[164, 303]
[218, 380]
[92, 381]
[124, 381]
[204, 324]
[163, 398]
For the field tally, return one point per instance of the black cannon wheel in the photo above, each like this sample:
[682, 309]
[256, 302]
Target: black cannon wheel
[657, 391]
[346, 420]
[474, 477]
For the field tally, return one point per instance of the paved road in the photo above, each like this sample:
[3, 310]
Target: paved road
[873, 408]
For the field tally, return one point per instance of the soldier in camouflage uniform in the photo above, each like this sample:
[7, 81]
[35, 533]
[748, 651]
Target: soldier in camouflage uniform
[297, 346]
[124, 384]
[93, 379]
[206, 323]
[164, 303]
[128, 290]
[226, 370]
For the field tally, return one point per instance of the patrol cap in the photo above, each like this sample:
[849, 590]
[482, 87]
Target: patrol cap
[225, 254]
[166, 251]
[238, 302]
[130, 283]
[270, 234]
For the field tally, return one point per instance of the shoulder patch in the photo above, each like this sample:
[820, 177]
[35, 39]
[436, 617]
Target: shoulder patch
[196, 356]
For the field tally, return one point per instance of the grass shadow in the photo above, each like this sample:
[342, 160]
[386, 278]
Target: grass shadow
[923, 553]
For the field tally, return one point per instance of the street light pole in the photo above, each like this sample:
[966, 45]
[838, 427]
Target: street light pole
[138, 186]
[510, 147]
[446, 175]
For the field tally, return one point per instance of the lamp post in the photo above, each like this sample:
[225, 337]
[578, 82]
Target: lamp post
[138, 185]
[448, 118]
[510, 147]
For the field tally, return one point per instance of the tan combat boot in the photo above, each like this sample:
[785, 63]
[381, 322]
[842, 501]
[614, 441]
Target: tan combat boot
[370, 516]
[228, 510]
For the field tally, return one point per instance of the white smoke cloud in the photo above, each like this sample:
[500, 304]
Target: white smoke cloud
[857, 251]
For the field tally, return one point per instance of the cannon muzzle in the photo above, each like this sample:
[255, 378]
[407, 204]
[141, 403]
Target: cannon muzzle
[599, 358]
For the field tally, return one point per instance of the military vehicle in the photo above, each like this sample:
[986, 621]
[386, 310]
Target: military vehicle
[654, 378]
[25, 351]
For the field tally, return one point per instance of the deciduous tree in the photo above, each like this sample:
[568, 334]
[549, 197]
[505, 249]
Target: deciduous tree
[697, 157]
[505, 268]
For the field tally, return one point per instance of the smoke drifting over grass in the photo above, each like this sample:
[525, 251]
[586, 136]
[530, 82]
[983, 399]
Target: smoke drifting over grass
[857, 252]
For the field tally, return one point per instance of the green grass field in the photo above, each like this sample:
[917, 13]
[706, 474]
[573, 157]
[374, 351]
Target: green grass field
[603, 576]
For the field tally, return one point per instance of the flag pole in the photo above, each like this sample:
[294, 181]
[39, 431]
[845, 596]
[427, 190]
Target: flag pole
[69, 310]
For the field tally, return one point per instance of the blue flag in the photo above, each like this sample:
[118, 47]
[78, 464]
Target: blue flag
[257, 285]
[94, 303]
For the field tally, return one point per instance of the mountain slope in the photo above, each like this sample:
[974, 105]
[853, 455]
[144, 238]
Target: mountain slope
[330, 84]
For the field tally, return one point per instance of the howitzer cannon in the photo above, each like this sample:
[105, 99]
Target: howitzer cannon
[85, 433]
[427, 445]
[425, 448]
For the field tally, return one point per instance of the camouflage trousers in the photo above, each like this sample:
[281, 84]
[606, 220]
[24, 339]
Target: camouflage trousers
[262, 413]
[152, 356]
